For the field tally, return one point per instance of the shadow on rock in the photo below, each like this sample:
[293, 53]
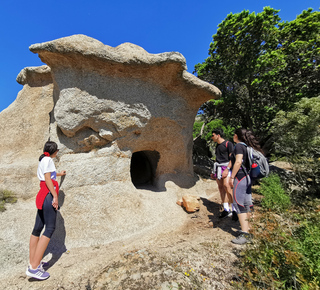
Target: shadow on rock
[56, 246]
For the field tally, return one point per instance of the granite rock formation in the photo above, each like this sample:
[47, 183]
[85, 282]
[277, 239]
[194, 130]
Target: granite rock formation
[124, 101]
[123, 121]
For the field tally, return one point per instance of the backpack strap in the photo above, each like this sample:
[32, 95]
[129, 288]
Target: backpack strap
[249, 155]
[227, 148]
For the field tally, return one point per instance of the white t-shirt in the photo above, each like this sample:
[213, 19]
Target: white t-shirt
[46, 165]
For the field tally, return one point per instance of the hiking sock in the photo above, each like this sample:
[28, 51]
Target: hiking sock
[35, 268]
[226, 206]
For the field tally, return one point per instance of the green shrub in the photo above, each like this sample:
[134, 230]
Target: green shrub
[307, 239]
[271, 261]
[296, 136]
[285, 251]
[6, 196]
[275, 197]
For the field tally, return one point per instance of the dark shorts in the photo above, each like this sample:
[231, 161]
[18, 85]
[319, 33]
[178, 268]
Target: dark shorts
[45, 217]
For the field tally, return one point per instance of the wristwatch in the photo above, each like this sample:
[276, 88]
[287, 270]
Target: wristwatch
[228, 168]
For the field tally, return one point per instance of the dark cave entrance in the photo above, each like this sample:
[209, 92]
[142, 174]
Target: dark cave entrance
[143, 167]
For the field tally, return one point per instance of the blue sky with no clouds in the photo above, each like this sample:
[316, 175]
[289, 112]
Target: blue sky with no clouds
[157, 26]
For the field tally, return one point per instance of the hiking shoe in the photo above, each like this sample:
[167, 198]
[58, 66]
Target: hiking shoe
[38, 273]
[225, 214]
[235, 216]
[242, 239]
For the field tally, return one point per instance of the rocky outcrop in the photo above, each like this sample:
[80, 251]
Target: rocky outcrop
[123, 121]
[24, 128]
[123, 101]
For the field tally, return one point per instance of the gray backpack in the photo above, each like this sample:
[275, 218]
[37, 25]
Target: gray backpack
[258, 163]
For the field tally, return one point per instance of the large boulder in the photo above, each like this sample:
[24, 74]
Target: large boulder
[115, 102]
[123, 120]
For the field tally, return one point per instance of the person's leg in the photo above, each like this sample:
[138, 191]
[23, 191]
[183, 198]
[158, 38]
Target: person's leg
[248, 203]
[243, 216]
[227, 190]
[229, 197]
[32, 247]
[39, 251]
[221, 190]
[38, 248]
[244, 222]
[249, 216]
[224, 199]
[242, 202]
[34, 238]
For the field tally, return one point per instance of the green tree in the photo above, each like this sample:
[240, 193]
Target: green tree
[291, 71]
[261, 66]
[215, 124]
[296, 134]
[197, 128]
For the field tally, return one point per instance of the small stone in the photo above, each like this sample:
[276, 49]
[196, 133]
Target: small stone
[191, 203]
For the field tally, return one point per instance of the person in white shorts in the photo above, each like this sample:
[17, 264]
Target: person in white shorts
[223, 151]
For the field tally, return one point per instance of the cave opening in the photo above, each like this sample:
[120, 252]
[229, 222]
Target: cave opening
[143, 167]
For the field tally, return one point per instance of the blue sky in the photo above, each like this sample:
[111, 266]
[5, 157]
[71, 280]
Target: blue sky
[157, 26]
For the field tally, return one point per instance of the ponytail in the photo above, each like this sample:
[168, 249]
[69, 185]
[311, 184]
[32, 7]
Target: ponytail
[49, 148]
[247, 137]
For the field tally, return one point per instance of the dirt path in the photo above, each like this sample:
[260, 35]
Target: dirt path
[199, 255]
